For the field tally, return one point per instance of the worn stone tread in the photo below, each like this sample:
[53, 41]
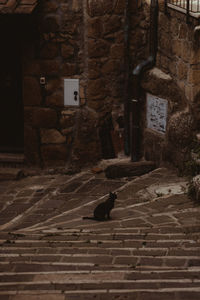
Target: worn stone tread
[149, 250]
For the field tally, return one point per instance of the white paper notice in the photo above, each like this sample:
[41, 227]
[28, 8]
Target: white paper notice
[156, 113]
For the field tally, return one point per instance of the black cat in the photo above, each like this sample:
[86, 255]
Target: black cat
[102, 211]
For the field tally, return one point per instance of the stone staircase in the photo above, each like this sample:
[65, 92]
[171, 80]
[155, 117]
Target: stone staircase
[124, 263]
[149, 250]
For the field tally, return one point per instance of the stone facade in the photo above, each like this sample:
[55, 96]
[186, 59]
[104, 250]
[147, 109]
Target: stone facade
[100, 43]
[82, 39]
[17, 6]
[176, 79]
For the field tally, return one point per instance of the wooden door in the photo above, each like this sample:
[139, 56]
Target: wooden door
[11, 104]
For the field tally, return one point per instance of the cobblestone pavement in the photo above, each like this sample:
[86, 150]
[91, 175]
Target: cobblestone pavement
[149, 250]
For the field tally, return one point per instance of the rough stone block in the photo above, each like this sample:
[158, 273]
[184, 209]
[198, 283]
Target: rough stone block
[56, 100]
[49, 51]
[54, 154]
[98, 48]
[50, 67]
[67, 51]
[95, 28]
[69, 69]
[51, 136]
[129, 169]
[117, 51]
[96, 88]
[40, 117]
[50, 24]
[112, 25]
[31, 145]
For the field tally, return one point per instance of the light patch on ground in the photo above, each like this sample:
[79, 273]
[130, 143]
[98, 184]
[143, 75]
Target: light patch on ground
[168, 189]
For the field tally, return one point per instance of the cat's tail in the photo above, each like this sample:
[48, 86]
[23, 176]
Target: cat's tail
[88, 218]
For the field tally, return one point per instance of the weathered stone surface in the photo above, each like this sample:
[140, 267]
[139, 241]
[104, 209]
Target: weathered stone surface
[196, 108]
[50, 24]
[129, 169]
[154, 146]
[180, 129]
[52, 85]
[50, 7]
[86, 148]
[99, 8]
[14, 6]
[113, 24]
[112, 66]
[67, 119]
[96, 88]
[51, 136]
[194, 76]
[67, 51]
[117, 51]
[31, 91]
[40, 117]
[11, 174]
[195, 186]
[161, 84]
[31, 148]
[94, 69]
[98, 48]
[95, 28]
[54, 154]
[56, 100]
[69, 69]
[49, 51]
[50, 67]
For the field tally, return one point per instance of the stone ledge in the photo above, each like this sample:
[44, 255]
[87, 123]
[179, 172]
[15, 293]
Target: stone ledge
[18, 7]
[11, 174]
[129, 169]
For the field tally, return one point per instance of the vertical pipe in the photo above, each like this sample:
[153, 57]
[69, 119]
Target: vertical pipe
[137, 73]
[126, 79]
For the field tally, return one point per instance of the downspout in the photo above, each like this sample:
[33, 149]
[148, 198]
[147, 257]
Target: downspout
[137, 74]
[126, 78]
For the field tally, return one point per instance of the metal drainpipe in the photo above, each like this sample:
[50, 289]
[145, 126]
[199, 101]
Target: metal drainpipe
[137, 74]
[126, 79]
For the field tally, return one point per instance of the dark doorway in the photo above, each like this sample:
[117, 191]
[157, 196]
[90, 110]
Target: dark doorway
[11, 102]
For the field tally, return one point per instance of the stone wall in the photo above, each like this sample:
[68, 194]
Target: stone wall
[82, 39]
[176, 79]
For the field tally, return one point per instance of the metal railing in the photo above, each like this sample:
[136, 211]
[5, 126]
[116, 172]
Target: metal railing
[189, 7]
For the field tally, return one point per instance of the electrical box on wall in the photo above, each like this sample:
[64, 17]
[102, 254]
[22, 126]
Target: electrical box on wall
[71, 92]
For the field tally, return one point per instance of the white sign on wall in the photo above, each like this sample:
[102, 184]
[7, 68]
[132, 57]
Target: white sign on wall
[156, 113]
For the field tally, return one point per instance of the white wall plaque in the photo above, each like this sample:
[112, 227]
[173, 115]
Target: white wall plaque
[156, 113]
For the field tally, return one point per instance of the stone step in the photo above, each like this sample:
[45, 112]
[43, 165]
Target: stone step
[110, 233]
[139, 234]
[156, 251]
[103, 294]
[85, 284]
[129, 169]
[11, 173]
[87, 243]
[15, 158]
[97, 263]
[100, 275]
